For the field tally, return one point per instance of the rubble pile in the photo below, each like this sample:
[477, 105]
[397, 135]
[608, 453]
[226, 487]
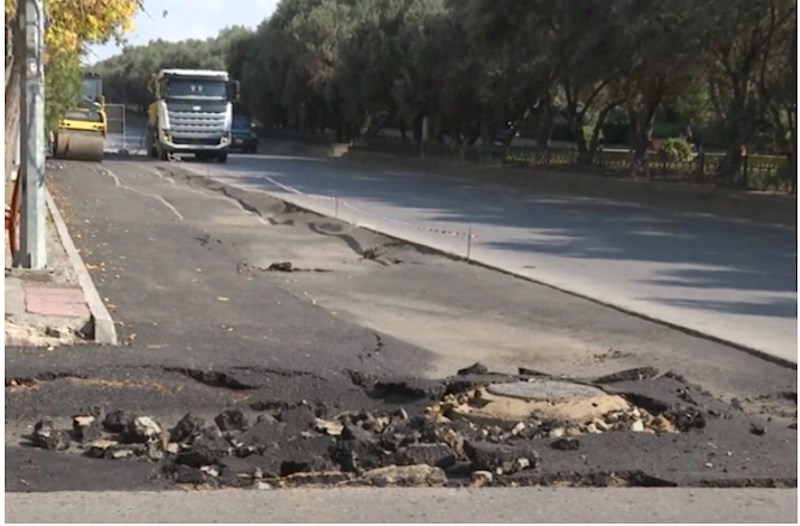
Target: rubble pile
[476, 428]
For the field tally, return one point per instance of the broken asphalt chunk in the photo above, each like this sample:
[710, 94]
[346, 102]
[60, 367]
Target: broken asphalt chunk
[409, 389]
[143, 429]
[46, 436]
[208, 448]
[501, 458]
[84, 435]
[299, 418]
[263, 434]
[187, 428]
[184, 474]
[686, 418]
[438, 455]
[465, 382]
[637, 374]
[475, 368]
[355, 455]
[85, 428]
[118, 421]
[98, 448]
[481, 478]
[356, 432]
[526, 371]
[461, 469]
[231, 420]
[254, 466]
[329, 427]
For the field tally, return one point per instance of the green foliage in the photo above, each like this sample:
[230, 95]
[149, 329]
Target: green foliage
[666, 130]
[588, 130]
[728, 67]
[675, 149]
[62, 79]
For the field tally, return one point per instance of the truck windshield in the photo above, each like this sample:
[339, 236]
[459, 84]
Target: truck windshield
[200, 88]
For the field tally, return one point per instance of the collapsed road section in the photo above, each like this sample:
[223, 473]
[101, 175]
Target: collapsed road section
[264, 347]
[477, 428]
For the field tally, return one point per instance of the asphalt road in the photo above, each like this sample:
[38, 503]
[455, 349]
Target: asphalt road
[729, 280]
[204, 328]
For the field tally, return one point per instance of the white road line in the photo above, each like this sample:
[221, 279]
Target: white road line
[157, 197]
[214, 195]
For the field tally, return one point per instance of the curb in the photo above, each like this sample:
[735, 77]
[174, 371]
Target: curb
[103, 326]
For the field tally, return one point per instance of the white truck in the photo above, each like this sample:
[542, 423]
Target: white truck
[192, 114]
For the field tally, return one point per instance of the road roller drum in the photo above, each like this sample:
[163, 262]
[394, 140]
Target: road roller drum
[79, 145]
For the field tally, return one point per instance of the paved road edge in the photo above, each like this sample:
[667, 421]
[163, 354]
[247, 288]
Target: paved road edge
[105, 331]
[400, 236]
[405, 505]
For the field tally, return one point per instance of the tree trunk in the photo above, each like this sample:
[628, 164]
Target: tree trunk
[641, 130]
[738, 132]
[544, 121]
[598, 128]
[13, 95]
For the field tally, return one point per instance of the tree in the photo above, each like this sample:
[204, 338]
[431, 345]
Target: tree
[661, 43]
[751, 44]
[62, 90]
[473, 66]
[777, 79]
[586, 64]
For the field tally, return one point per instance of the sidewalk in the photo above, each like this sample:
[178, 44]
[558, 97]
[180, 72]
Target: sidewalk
[397, 505]
[48, 307]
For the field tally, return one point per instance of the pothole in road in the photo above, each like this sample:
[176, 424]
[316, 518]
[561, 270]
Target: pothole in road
[278, 266]
[476, 428]
[554, 408]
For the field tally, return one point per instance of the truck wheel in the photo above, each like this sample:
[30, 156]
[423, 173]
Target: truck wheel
[162, 153]
[222, 157]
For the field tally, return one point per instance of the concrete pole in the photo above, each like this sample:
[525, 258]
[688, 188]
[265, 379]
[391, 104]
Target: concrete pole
[32, 228]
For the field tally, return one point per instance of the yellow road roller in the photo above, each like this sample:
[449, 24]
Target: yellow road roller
[81, 133]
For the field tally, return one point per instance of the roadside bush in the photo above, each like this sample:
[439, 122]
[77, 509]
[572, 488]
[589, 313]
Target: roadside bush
[676, 149]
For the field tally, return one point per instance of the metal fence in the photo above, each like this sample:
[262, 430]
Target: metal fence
[755, 172]
[116, 136]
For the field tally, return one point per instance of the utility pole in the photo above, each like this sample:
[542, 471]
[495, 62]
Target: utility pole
[32, 252]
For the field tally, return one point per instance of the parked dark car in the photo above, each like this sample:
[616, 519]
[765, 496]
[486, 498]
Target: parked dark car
[243, 137]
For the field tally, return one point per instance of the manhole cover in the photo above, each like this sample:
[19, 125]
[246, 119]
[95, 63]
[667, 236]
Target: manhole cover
[546, 390]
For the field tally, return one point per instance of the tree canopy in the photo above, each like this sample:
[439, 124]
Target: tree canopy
[727, 68]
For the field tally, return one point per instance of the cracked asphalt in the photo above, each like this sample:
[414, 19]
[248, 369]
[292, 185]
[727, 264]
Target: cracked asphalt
[183, 263]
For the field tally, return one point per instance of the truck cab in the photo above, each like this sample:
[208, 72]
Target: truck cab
[192, 114]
